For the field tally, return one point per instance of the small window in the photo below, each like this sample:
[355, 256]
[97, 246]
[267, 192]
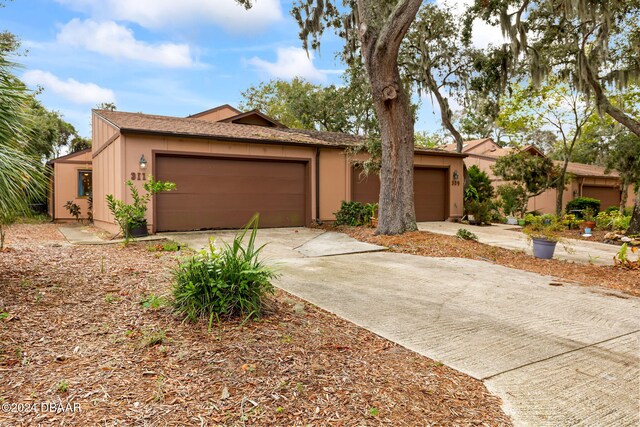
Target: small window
[84, 183]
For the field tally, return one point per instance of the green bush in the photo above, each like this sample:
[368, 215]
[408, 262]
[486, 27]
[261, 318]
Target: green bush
[581, 204]
[223, 282]
[628, 211]
[603, 220]
[481, 183]
[612, 221]
[530, 218]
[481, 211]
[470, 193]
[570, 221]
[355, 213]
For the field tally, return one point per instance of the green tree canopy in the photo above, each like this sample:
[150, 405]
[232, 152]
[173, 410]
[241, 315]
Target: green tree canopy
[533, 174]
[591, 44]
[550, 109]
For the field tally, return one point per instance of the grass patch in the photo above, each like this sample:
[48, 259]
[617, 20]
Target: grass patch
[153, 301]
[168, 246]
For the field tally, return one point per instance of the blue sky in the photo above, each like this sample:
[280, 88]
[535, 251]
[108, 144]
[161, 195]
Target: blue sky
[163, 56]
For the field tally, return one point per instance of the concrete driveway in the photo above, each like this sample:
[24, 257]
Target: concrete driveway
[557, 354]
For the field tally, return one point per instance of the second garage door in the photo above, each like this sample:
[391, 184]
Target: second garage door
[225, 193]
[429, 187]
[608, 196]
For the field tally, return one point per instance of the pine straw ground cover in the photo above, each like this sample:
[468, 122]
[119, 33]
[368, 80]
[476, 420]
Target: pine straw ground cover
[74, 331]
[437, 245]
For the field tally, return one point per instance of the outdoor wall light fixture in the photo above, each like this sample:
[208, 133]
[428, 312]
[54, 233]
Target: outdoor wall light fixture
[143, 162]
[455, 175]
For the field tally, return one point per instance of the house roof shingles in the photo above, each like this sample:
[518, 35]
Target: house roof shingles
[580, 169]
[193, 127]
[577, 169]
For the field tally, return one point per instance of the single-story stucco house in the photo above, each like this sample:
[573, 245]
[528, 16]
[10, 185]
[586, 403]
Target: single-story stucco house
[228, 165]
[586, 180]
[71, 180]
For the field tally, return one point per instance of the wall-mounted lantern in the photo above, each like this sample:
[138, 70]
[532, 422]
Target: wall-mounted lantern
[143, 162]
[456, 178]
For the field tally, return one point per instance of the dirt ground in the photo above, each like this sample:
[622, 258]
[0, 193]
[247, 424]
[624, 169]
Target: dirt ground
[437, 245]
[73, 331]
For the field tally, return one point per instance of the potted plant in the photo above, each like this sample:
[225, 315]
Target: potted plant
[545, 232]
[589, 219]
[372, 207]
[132, 218]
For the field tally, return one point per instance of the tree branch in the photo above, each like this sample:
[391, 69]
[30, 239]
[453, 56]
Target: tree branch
[396, 26]
[603, 102]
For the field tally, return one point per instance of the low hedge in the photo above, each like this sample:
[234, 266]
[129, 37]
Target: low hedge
[581, 204]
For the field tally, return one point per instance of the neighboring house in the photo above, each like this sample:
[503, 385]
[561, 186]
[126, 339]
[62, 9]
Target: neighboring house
[71, 180]
[227, 165]
[586, 180]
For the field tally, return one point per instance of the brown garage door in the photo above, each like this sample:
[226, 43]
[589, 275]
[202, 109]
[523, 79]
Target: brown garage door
[225, 193]
[429, 186]
[608, 196]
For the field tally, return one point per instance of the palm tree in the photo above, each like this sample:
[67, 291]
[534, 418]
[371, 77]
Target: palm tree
[22, 178]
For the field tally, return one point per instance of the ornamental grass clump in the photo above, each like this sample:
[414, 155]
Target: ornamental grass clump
[229, 281]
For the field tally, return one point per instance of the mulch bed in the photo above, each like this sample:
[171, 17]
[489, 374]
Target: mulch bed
[73, 331]
[437, 245]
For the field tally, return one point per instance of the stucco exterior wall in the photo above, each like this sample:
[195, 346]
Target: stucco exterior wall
[546, 202]
[65, 186]
[335, 180]
[137, 145]
[456, 189]
[452, 164]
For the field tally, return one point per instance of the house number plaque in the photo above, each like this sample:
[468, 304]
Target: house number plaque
[140, 176]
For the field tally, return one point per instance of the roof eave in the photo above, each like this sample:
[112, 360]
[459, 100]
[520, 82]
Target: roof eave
[228, 138]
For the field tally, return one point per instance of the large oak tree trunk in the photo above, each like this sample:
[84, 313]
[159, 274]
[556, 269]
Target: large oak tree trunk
[380, 46]
[396, 211]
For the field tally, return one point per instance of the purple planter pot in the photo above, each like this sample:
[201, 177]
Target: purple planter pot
[543, 248]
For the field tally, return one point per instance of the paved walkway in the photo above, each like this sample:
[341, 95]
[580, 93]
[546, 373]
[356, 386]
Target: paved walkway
[79, 234]
[501, 235]
[556, 355]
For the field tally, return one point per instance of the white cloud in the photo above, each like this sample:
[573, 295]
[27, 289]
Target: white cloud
[292, 62]
[117, 41]
[158, 14]
[73, 90]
